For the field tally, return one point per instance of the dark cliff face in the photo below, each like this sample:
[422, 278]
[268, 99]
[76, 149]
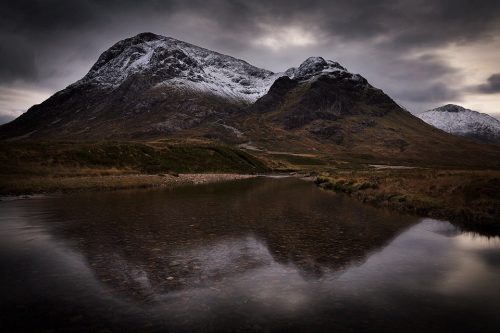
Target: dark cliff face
[277, 93]
[297, 103]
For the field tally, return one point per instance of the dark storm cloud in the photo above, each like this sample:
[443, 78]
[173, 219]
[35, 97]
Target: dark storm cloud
[423, 78]
[17, 59]
[52, 43]
[430, 93]
[48, 16]
[399, 24]
[33, 30]
[492, 85]
[411, 23]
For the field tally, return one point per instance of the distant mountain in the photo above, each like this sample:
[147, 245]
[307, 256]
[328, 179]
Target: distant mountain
[458, 120]
[150, 87]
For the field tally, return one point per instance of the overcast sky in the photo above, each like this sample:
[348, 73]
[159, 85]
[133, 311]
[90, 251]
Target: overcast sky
[423, 53]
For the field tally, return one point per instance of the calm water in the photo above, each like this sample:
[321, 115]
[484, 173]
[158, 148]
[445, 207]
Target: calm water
[254, 255]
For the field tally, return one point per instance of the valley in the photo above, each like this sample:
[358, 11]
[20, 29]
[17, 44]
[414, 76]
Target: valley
[261, 166]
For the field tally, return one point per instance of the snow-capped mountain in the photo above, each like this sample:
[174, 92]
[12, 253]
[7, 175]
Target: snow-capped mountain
[150, 85]
[458, 120]
[170, 62]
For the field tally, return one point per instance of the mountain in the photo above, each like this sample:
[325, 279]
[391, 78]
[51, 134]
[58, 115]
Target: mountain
[320, 108]
[169, 62]
[151, 87]
[144, 86]
[321, 90]
[458, 120]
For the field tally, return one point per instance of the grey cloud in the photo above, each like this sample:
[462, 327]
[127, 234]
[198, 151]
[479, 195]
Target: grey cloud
[400, 24]
[492, 85]
[18, 61]
[430, 93]
[39, 17]
[5, 118]
[415, 82]
[38, 37]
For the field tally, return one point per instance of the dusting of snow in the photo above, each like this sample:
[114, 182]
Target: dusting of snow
[461, 121]
[171, 62]
[164, 61]
[314, 67]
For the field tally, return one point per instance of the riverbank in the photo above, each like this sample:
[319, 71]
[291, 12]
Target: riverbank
[35, 185]
[466, 197]
[47, 167]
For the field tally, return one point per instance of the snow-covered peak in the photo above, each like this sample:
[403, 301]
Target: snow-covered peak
[451, 108]
[314, 67]
[461, 121]
[150, 61]
[167, 61]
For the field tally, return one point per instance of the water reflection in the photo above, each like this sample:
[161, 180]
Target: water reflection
[252, 255]
[150, 242]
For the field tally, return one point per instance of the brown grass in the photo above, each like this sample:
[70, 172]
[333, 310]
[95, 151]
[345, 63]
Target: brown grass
[464, 196]
[50, 184]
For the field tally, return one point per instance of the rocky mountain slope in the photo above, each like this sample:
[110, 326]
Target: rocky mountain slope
[170, 62]
[144, 86]
[320, 108]
[458, 120]
[151, 87]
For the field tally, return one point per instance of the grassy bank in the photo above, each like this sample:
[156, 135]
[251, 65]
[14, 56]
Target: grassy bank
[49, 167]
[470, 197]
[103, 183]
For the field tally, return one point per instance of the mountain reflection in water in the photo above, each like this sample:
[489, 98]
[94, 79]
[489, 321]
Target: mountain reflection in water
[260, 254]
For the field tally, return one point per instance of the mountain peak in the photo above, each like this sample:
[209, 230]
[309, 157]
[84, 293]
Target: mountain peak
[147, 36]
[458, 120]
[168, 61]
[314, 67]
[312, 63]
[450, 108]
[316, 64]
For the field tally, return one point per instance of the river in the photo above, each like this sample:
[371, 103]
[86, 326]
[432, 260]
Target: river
[263, 255]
